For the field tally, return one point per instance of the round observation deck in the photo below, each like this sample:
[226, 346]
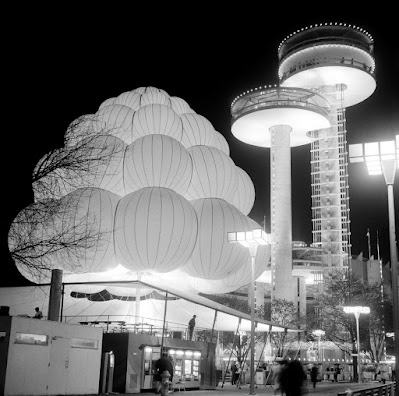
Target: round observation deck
[328, 55]
[256, 111]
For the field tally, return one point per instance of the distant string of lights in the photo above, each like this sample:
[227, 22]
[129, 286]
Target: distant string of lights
[327, 24]
[273, 88]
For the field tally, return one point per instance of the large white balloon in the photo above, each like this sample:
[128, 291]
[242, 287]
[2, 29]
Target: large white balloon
[213, 256]
[155, 230]
[197, 130]
[214, 174]
[85, 222]
[79, 129]
[115, 120]
[157, 119]
[30, 241]
[96, 161]
[239, 278]
[51, 179]
[130, 99]
[220, 142]
[152, 95]
[107, 102]
[180, 106]
[244, 196]
[149, 171]
[103, 158]
[157, 161]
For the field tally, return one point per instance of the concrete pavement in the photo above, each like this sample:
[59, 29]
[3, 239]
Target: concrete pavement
[324, 388]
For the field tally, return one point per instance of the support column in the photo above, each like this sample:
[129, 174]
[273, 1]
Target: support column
[281, 212]
[55, 295]
[299, 290]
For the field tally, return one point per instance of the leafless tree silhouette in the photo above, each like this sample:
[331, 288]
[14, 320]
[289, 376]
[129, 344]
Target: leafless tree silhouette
[38, 235]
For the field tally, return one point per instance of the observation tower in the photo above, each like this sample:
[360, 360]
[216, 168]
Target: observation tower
[279, 118]
[336, 60]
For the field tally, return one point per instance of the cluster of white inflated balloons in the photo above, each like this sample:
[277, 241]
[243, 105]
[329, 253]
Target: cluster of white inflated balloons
[162, 191]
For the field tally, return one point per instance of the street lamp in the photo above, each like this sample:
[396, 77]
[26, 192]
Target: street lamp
[357, 311]
[251, 240]
[319, 334]
[383, 158]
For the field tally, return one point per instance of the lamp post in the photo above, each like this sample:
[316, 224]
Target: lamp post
[251, 240]
[357, 311]
[383, 158]
[319, 334]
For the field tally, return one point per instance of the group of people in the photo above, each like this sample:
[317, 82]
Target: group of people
[289, 378]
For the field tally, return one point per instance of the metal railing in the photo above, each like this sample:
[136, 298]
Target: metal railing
[326, 61]
[382, 390]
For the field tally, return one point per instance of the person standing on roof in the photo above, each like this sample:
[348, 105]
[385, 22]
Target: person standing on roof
[38, 313]
[191, 325]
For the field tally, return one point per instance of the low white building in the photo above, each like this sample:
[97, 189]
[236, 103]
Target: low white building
[40, 357]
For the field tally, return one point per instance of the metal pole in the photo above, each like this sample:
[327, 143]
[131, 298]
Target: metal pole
[394, 274]
[389, 171]
[62, 301]
[252, 382]
[163, 323]
[319, 359]
[357, 314]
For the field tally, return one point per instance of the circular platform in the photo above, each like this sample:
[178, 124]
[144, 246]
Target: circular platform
[256, 111]
[359, 83]
[328, 55]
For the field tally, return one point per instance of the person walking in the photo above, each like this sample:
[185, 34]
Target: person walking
[191, 325]
[313, 375]
[279, 372]
[233, 373]
[294, 377]
[161, 365]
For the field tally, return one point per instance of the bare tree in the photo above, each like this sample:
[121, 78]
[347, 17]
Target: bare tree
[342, 289]
[38, 236]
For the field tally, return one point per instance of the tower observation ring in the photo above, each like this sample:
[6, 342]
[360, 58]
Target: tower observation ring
[254, 112]
[279, 118]
[326, 55]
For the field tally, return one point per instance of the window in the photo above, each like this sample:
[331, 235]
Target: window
[32, 339]
[83, 343]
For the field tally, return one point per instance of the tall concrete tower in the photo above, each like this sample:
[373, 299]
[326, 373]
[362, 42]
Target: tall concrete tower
[279, 118]
[337, 60]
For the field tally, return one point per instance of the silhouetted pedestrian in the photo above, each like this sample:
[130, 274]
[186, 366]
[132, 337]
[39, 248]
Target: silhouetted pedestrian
[313, 375]
[279, 377]
[233, 373]
[293, 378]
[161, 365]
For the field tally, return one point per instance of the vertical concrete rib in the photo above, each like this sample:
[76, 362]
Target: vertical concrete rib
[281, 218]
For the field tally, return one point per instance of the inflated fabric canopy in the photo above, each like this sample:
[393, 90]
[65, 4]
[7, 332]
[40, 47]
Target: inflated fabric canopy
[180, 307]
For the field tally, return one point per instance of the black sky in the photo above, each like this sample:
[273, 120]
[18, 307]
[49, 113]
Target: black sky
[62, 64]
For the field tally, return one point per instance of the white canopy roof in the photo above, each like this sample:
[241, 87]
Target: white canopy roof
[179, 309]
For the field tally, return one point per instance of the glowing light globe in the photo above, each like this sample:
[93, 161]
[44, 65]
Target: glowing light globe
[197, 130]
[155, 230]
[115, 120]
[157, 161]
[244, 196]
[214, 174]
[85, 220]
[213, 256]
[157, 119]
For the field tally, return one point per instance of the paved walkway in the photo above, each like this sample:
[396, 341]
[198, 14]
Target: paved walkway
[324, 388]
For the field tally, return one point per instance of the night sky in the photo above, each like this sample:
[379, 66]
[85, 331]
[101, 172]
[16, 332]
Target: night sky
[63, 66]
